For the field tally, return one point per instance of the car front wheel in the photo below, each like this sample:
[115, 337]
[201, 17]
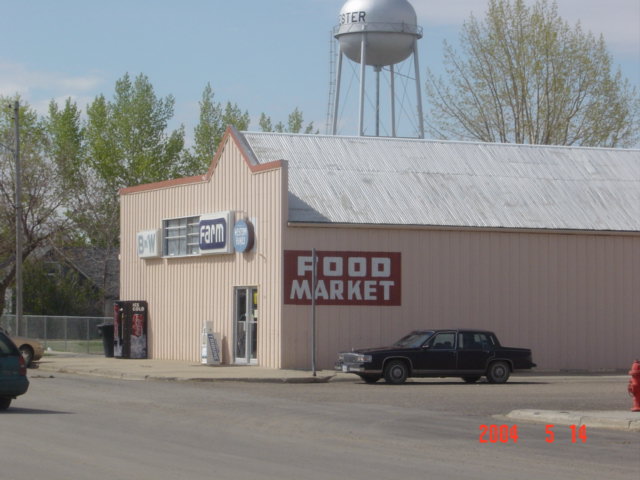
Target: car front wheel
[498, 372]
[396, 372]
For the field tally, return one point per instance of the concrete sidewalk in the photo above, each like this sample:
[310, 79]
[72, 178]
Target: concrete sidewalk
[174, 370]
[610, 419]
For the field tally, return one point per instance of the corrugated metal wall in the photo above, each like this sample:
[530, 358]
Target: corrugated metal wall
[573, 298]
[183, 293]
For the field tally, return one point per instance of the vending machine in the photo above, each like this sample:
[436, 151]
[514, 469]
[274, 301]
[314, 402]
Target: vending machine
[130, 320]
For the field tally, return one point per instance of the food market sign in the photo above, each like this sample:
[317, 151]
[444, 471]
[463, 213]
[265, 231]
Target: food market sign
[343, 278]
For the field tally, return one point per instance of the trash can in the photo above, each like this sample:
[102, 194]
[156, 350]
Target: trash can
[105, 330]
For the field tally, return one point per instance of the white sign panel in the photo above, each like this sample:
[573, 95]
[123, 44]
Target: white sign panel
[214, 232]
[148, 244]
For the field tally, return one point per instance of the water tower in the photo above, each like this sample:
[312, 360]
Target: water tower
[379, 34]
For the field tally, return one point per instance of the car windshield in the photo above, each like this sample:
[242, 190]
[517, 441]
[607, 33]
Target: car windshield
[413, 340]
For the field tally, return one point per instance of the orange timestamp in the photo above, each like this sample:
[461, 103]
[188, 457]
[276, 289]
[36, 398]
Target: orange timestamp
[509, 433]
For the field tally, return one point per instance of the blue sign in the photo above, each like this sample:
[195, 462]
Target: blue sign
[213, 234]
[243, 236]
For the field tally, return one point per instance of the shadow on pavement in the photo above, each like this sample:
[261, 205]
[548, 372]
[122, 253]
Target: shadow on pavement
[33, 411]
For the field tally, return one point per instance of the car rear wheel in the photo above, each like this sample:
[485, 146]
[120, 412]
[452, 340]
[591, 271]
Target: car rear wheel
[472, 379]
[27, 353]
[396, 372]
[498, 372]
[4, 403]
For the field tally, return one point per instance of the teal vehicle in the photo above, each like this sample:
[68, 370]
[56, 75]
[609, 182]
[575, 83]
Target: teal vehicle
[13, 372]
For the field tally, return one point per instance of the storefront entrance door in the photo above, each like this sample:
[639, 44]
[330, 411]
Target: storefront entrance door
[246, 325]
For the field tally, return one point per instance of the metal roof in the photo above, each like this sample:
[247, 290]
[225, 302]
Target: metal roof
[391, 181]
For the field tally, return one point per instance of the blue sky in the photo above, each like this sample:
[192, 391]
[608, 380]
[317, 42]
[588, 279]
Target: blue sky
[265, 55]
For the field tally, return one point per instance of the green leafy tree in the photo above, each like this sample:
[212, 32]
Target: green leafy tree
[214, 120]
[121, 142]
[208, 132]
[127, 139]
[295, 124]
[43, 194]
[233, 115]
[527, 76]
[66, 137]
[92, 200]
[51, 289]
[265, 123]
[280, 128]
[296, 121]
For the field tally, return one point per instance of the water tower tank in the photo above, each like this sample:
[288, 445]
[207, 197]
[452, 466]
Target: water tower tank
[390, 27]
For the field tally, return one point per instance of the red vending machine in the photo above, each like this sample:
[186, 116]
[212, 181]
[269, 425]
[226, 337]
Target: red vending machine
[130, 329]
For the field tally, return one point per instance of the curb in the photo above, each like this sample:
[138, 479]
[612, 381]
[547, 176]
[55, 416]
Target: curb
[172, 378]
[235, 379]
[613, 420]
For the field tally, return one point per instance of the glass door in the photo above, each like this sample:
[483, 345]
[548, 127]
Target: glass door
[246, 325]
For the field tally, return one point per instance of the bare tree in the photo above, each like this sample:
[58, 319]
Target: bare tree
[42, 196]
[526, 76]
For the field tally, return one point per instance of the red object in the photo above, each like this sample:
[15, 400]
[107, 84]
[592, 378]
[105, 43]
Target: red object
[137, 325]
[634, 385]
[23, 366]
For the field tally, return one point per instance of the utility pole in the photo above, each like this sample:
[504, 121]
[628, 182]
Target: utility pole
[16, 118]
[314, 281]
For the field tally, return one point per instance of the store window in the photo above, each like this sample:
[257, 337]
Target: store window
[180, 237]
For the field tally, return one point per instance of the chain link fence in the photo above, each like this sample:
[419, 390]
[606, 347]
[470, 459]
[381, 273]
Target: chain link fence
[57, 333]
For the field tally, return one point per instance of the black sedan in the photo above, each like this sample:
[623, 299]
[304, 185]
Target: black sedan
[469, 354]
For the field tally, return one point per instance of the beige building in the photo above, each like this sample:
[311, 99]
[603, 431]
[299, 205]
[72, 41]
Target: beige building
[539, 244]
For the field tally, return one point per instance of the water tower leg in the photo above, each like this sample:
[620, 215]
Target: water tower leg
[393, 100]
[336, 100]
[363, 64]
[418, 91]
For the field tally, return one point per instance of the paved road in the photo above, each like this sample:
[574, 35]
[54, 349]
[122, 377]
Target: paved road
[71, 427]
